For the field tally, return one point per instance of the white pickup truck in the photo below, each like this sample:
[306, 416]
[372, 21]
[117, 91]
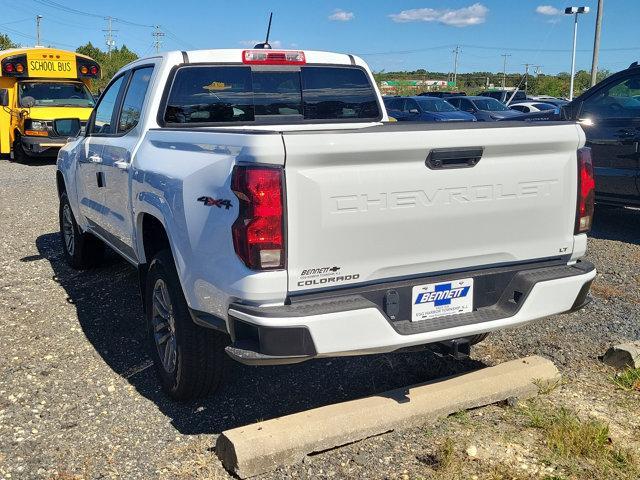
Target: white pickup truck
[275, 214]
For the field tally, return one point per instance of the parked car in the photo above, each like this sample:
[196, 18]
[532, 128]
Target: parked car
[371, 237]
[504, 95]
[558, 102]
[424, 109]
[485, 109]
[609, 114]
[443, 94]
[528, 107]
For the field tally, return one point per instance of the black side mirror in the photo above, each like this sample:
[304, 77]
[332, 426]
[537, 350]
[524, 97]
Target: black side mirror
[571, 111]
[4, 97]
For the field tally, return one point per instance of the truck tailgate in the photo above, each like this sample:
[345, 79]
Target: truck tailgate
[363, 206]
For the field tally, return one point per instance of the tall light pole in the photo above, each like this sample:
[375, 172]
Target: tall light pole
[38, 18]
[456, 52]
[596, 44]
[575, 11]
[504, 70]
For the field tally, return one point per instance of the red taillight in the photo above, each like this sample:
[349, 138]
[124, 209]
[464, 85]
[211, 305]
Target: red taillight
[94, 70]
[258, 233]
[273, 57]
[8, 67]
[586, 191]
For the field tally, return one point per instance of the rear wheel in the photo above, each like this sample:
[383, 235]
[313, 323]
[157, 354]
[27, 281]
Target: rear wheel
[81, 250]
[189, 359]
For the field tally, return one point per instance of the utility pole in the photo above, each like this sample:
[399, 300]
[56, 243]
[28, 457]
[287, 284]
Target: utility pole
[596, 43]
[526, 77]
[504, 70]
[456, 52]
[157, 38]
[109, 35]
[38, 18]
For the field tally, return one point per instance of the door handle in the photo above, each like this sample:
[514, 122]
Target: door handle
[95, 159]
[121, 165]
[446, 158]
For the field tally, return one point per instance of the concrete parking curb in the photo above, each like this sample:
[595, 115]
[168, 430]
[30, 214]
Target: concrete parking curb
[261, 447]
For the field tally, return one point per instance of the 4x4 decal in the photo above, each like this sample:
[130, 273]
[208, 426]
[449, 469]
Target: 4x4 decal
[213, 202]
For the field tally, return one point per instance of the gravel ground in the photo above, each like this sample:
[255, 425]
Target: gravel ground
[78, 399]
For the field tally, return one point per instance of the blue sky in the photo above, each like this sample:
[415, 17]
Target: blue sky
[390, 35]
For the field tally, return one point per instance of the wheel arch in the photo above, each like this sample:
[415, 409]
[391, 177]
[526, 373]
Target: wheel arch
[60, 183]
[152, 236]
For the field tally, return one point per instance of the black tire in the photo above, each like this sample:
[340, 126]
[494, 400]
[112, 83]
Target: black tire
[475, 339]
[196, 365]
[19, 155]
[81, 250]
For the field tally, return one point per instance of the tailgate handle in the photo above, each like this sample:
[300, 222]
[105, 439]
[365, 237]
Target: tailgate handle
[445, 158]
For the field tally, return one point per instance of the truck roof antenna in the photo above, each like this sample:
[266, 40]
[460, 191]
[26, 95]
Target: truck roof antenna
[266, 42]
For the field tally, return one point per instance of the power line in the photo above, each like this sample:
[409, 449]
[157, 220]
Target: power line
[173, 36]
[58, 6]
[487, 47]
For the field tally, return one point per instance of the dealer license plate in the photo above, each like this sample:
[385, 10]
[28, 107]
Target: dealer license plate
[441, 299]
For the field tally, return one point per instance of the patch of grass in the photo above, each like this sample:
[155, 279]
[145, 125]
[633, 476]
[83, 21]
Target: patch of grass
[545, 387]
[628, 379]
[570, 437]
[462, 417]
[444, 459]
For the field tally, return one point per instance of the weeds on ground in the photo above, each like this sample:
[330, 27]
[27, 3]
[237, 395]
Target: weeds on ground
[545, 387]
[443, 460]
[571, 438]
[628, 379]
[462, 417]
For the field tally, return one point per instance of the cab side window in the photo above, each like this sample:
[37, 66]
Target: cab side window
[102, 123]
[134, 98]
[618, 100]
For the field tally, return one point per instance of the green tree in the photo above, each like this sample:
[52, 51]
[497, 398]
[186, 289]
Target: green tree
[110, 63]
[6, 43]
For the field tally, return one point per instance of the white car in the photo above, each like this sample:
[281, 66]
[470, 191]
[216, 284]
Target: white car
[274, 213]
[530, 107]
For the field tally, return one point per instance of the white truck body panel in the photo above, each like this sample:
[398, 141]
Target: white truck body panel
[366, 202]
[361, 209]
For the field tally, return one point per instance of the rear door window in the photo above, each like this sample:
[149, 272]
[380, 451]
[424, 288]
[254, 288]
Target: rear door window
[225, 94]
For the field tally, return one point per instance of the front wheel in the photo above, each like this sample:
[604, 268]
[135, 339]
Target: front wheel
[19, 155]
[81, 250]
[190, 360]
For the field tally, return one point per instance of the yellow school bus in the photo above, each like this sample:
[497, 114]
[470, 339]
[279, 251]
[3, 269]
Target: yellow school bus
[43, 94]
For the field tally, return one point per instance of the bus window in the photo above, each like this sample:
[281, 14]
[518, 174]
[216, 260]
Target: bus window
[55, 94]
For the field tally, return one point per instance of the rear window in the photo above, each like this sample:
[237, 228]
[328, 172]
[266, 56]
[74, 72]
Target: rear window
[223, 94]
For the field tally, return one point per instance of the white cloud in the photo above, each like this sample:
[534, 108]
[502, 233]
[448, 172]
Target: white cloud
[340, 15]
[548, 10]
[252, 43]
[462, 17]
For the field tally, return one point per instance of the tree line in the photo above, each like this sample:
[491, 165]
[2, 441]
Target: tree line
[554, 85]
